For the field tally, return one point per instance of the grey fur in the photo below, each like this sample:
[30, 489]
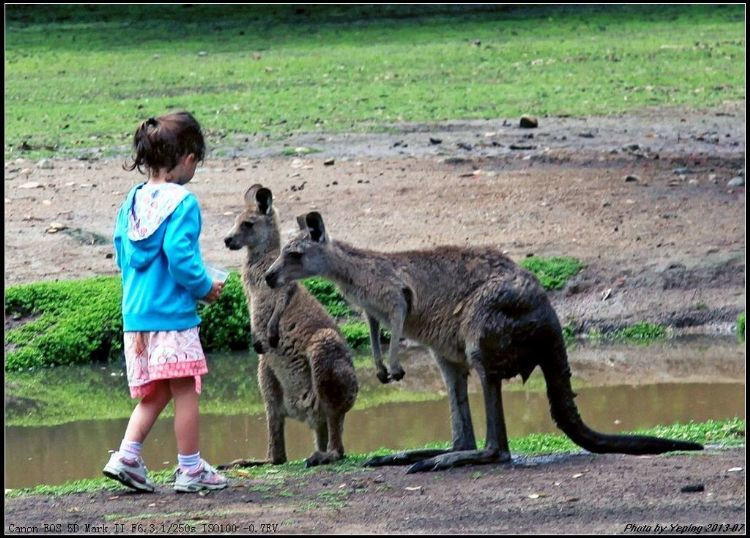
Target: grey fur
[305, 370]
[474, 308]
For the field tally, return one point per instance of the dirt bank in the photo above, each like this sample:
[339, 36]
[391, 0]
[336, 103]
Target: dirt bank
[665, 245]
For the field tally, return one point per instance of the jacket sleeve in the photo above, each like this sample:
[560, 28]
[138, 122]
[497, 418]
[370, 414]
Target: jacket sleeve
[117, 239]
[182, 249]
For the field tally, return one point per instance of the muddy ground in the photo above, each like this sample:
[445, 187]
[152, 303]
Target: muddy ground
[666, 245]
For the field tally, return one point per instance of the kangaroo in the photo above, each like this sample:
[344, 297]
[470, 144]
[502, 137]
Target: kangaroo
[305, 370]
[473, 308]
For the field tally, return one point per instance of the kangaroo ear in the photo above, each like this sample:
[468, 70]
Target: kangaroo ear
[250, 194]
[317, 229]
[264, 200]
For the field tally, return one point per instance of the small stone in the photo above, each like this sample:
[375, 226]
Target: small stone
[202, 53]
[631, 178]
[681, 171]
[31, 185]
[738, 181]
[47, 202]
[529, 122]
[695, 488]
[329, 162]
[45, 164]
[434, 140]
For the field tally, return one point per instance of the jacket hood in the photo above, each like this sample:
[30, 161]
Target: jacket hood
[144, 211]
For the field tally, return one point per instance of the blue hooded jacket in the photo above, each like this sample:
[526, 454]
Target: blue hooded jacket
[163, 275]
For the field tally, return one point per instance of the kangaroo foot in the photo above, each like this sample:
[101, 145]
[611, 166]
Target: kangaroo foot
[239, 464]
[457, 459]
[323, 458]
[404, 458]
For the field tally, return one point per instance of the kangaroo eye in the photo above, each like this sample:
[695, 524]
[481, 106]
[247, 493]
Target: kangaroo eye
[295, 255]
[247, 225]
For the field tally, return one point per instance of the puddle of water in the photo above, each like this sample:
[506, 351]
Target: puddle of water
[55, 454]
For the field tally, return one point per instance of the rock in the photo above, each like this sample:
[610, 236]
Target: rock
[45, 164]
[31, 185]
[464, 145]
[521, 146]
[55, 227]
[631, 178]
[529, 122]
[435, 140]
[738, 181]
[681, 171]
[329, 162]
[693, 488]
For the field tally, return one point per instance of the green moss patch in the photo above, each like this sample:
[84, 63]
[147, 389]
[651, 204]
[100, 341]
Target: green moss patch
[554, 272]
[80, 321]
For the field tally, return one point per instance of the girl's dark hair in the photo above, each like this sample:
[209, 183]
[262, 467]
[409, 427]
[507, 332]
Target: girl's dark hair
[161, 142]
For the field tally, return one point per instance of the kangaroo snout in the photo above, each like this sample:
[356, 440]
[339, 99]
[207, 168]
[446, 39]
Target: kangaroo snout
[272, 280]
[229, 242]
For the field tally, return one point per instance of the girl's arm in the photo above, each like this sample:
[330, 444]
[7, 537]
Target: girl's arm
[182, 250]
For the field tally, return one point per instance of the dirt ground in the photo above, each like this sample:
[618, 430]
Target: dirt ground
[667, 246]
[568, 494]
[643, 200]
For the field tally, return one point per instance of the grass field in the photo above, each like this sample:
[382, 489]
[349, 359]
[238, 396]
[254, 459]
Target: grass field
[82, 77]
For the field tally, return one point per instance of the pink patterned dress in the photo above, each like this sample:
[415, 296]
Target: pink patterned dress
[168, 355]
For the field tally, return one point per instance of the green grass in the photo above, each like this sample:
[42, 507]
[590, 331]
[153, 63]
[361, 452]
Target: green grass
[554, 272]
[80, 321]
[730, 433]
[741, 327]
[641, 333]
[84, 76]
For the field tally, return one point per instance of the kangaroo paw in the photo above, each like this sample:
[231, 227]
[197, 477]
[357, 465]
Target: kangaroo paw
[322, 458]
[397, 373]
[383, 376]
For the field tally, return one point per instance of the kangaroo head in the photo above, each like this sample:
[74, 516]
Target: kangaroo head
[256, 225]
[304, 255]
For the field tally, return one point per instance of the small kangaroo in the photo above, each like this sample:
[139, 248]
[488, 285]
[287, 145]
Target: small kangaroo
[474, 308]
[305, 370]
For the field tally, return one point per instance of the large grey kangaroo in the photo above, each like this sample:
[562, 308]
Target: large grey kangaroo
[305, 370]
[473, 307]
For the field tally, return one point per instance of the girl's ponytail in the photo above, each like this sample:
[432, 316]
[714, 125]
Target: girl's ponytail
[161, 142]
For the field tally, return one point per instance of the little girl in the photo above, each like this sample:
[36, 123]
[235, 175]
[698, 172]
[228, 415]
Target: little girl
[163, 276]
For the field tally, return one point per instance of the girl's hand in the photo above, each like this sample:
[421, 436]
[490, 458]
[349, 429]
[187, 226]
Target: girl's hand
[216, 289]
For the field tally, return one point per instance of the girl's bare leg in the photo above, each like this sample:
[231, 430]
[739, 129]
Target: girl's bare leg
[186, 414]
[147, 411]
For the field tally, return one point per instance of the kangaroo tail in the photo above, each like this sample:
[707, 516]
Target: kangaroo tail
[565, 414]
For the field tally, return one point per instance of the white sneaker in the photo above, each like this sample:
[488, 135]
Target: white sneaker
[205, 477]
[129, 472]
